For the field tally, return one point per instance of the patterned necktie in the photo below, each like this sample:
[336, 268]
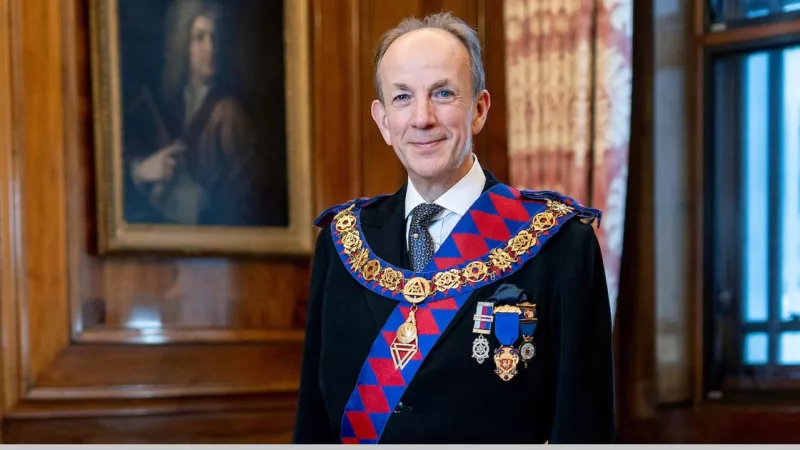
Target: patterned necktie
[420, 243]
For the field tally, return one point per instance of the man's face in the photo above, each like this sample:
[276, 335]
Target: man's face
[427, 113]
[201, 48]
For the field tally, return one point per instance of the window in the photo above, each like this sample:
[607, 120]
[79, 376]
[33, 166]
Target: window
[753, 178]
[745, 12]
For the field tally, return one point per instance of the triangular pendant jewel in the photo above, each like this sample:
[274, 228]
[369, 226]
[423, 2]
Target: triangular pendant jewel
[402, 353]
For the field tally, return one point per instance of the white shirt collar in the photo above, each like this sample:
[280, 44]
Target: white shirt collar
[193, 98]
[458, 198]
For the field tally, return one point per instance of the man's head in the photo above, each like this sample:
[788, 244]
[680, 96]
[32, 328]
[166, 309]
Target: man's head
[191, 37]
[431, 95]
[201, 48]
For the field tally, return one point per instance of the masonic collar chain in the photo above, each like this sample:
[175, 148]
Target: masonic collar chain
[421, 286]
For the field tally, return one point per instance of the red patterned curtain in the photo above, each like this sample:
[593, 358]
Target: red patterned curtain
[568, 69]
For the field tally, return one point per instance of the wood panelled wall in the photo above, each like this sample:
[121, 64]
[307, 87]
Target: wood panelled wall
[224, 368]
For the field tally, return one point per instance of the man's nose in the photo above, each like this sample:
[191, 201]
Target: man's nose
[424, 114]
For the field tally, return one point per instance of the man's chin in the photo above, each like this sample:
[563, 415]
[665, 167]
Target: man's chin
[207, 74]
[432, 172]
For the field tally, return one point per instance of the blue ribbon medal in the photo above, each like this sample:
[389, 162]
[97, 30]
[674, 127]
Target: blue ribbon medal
[507, 330]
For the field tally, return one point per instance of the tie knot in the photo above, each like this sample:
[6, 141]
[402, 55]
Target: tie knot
[422, 214]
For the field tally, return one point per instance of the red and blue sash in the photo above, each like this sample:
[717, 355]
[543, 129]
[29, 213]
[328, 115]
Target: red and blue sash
[500, 232]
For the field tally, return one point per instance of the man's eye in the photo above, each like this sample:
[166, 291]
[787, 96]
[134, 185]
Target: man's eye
[401, 97]
[444, 93]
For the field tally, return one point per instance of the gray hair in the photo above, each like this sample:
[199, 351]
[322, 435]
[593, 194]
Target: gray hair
[442, 21]
[179, 20]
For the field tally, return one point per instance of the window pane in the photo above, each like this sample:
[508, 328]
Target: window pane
[755, 186]
[722, 11]
[790, 348]
[755, 8]
[755, 348]
[755, 240]
[791, 5]
[790, 187]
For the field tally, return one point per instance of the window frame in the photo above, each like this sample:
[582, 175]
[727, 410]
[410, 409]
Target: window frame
[720, 326]
[722, 25]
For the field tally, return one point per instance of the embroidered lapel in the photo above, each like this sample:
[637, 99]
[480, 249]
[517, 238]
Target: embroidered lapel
[384, 228]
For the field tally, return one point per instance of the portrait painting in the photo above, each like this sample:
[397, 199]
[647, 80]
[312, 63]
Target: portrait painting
[202, 137]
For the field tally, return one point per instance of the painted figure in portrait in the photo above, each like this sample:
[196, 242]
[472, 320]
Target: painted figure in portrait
[203, 118]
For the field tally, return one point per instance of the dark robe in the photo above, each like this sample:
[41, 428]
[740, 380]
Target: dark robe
[565, 395]
[222, 178]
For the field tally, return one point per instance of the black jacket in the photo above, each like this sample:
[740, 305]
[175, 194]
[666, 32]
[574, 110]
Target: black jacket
[565, 395]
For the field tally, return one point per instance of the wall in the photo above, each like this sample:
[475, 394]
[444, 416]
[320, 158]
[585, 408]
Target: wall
[671, 148]
[225, 367]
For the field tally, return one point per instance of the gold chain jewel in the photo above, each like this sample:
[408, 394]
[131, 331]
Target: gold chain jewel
[417, 289]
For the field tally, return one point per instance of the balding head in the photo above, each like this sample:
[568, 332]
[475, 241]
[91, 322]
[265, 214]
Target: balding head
[455, 27]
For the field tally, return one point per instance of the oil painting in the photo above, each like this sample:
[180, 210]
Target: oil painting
[202, 139]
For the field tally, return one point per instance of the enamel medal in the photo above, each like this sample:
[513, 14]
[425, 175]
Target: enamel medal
[527, 324]
[506, 329]
[483, 325]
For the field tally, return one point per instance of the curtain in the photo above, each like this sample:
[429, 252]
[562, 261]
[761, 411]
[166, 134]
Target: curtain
[568, 75]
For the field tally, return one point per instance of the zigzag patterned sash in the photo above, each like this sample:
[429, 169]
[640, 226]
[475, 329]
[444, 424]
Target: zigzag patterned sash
[501, 231]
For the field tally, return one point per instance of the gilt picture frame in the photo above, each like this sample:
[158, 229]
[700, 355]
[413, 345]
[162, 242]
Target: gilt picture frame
[202, 128]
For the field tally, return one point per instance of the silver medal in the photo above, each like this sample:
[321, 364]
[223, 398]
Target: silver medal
[527, 351]
[480, 349]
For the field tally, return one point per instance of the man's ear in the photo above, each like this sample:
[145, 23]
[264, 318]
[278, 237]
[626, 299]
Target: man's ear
[482, 105]
[379, 116]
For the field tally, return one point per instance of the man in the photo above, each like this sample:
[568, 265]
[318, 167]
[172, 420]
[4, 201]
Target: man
[457, 310]
[194, 159]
